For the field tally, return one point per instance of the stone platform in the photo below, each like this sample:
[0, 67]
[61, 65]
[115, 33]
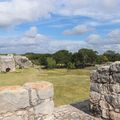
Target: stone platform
[78, 111]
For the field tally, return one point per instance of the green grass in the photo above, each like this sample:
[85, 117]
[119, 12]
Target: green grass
[70, 85]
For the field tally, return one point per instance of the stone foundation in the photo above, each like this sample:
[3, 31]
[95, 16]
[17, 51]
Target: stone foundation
[105, 92]
[33, 101]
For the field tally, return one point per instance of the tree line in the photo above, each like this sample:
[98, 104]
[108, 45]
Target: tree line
[65, 59]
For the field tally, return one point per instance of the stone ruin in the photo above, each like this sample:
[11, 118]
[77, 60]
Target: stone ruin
[22, 62]
[10, 63]
[34, 101]
[105, 92]
[7, 63]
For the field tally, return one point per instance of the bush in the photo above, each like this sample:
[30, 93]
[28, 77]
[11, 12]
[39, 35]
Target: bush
[51, 63]
[70, 65]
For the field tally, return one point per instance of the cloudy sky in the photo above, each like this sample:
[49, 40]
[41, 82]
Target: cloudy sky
[45, 26]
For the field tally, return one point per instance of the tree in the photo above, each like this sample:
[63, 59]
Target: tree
[70, 65]
[112, 55]
[84, 57]
[62, 57]
[76, 59]
[88, 55]
[51, 63]
[38, 59]
[101, 59]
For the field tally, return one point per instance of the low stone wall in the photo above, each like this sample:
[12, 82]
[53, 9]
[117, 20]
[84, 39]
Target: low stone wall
[105, 92]
[32, 101]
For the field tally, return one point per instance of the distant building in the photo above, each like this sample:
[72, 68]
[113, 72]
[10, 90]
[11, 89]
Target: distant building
[7, 64]
[22, 62]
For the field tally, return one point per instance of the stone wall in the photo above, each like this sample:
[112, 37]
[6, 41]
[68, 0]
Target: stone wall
[32, 101]
[105, 92]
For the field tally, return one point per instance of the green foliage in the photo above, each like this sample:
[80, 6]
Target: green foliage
[62, 57]
[84, 57]
[38, 59]
[51, 63]
[112, 55]
[88, 55]
[65, 59]
[70, 65]
[101, 59]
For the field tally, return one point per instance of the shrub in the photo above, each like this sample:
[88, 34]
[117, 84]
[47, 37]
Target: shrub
[51, 63]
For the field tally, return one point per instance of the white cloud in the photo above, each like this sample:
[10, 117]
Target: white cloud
[114, 34]
[110, 42]
[31, 37]
[33, 41]
[19, 11]
[100, 9]
[94, 39]
[78, 30]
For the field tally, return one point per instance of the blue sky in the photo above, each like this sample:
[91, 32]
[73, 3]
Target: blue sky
[45, 26]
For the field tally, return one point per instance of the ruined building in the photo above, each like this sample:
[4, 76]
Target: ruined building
[9, 63]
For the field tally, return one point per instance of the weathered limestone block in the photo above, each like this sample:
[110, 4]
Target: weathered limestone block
[101, 75]
[95, 87]
[114, 115]
[104, 74]
[114, 100]
[29, 102]
[46, 108]
[23, 114]
[115, 77]
[43, 90]
[94, 77]
[100, 88]
[13, 117]
[103, 69]
[115, 67]
[13, 98]
[104, 108]
[95, 97]
[115, 88]
[103, 104]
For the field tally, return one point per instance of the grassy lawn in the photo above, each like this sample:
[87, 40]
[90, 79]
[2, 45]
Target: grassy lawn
[70, 85]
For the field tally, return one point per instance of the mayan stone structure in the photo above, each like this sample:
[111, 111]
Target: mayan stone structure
[7, 63]
[32, 101]
[105, 92]
[22, 62]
